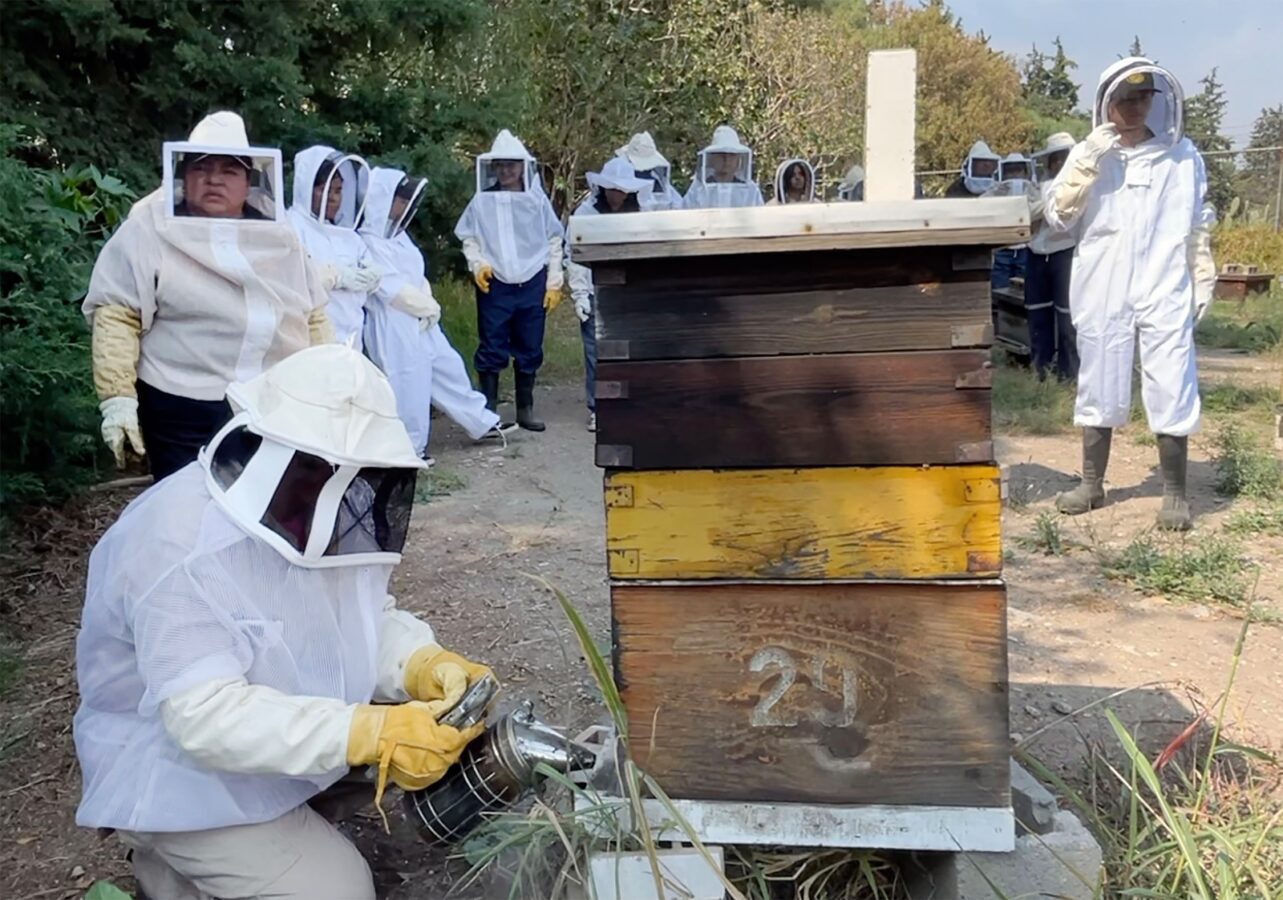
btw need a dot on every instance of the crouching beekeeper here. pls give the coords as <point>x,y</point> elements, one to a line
<point>236,629</point>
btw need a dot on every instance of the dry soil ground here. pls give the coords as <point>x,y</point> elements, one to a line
<point>535,508</point>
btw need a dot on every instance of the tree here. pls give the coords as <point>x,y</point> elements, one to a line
<point>1204,114</point>
<point>107,82</point>
<point>1258,179</point>
<point>1135,49</point>
<point>1048,88</point>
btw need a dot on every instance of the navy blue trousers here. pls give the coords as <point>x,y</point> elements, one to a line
<point>1051,330</point>
<point>510,325</point>
<point>588,331</point>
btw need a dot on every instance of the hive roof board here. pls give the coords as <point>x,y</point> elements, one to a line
<point>990,221</point>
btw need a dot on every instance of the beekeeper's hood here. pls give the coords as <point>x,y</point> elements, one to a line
<point>617,174</point>
<point>1138,74</point>
<point>335,172</point>
<point>385,215</point>
<point>726,151</point>
<point>852,184</point>
<point>980,168</point>
<point>506,148</point>
<point>315,461</point>
<point>646,160</point>
<point>1015,167</point>
<point>781,185</point>
<point>217,140</point>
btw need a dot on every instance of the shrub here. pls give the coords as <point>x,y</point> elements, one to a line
<point>52,224</point>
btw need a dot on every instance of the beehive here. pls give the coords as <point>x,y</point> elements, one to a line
<point>802,512</point>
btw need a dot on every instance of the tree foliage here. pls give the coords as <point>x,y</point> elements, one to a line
<point>1204,115</point>
<point>1258,182</point>
<point>1048,87</point>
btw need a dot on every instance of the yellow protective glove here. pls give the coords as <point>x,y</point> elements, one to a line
<point>552,299</point>
<point>440,678</point>
<point>482,278</point>
<point>406,743</point>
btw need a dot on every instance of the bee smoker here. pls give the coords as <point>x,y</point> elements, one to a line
<point>495,770</point>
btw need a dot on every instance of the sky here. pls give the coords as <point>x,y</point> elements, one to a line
<point>1243,39</point>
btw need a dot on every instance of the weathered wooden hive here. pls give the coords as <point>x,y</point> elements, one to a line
<point>802,512</point>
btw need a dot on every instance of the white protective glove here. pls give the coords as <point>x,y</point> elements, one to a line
<point>359,279</point>
<point>120,423</point>
<point>1103,138</point>
<point>418,303</point>
<point>1202,270</point>
<point>583,306</point>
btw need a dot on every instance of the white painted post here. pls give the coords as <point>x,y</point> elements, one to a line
<point>890,109</point>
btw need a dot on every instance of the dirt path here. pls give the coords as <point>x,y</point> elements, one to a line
<point>536,509</point>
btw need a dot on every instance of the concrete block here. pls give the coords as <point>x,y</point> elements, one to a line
<point>1034,806</point>
<point>1064,864</point>
<point>686,875</point>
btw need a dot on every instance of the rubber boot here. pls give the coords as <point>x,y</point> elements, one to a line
<point>1173,457</point>
<point>526,402</point>
<point>1091,492</point>
<point>490,390</point>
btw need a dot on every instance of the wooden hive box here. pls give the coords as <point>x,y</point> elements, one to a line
<point>803,511</point>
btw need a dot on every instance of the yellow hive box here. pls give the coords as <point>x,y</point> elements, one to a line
<point>887,522</point>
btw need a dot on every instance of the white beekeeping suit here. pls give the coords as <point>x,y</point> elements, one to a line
<point>783,173</point>
<point>332,240</point>
<point>514,233</point>
<point>648,162</point>
<point>724,174</point>
<point>852,184</point>
<point>1137,193</point>
<point>401,308</point>
<point>237,629</point>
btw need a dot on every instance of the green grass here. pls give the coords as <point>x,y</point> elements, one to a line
<point>437,482</point>
<point>1245,467</point>
<point>563,348</point>
<point>1255,325</point>
<point>1024,405</point>
<point>1207,568</point>
<point>1203,819</point>
<point>1257,520</point>
<point>1229,399</point>
<point>1047,538</point>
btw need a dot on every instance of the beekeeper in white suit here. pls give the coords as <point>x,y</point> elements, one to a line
<point>401,308</point>
<point>204,284</point>
<point>615,189</point>
<point>1136,190</point>
<point>236,629</point>
<point>724,174</point>
<point>649,163</point>
<point>851,188</point>
<point>404,328</point>
<point>794,182</point>
<point>513,243</point>
<point>326,210</point>
<point>979,172</point>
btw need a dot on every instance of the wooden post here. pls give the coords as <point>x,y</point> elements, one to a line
<point>891,102</point>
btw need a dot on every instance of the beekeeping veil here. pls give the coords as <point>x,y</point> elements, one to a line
<point>333,171</point>
<point>1134,74</point>
<point>781,181</point>
<point>980,168</point>
<point>1015,167</point>
<point>315,461</point>
<point>221,137</point>
<point>618,175</point>
<point>647,162</point>
<point>383,230</point>
<point>506,149</point>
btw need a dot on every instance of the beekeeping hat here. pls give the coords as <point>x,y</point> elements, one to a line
<point>617,174</point>
<point>1057,143</point>
<point>642,153</point>
<point>315,461</point>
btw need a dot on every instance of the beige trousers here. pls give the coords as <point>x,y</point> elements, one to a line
<point>299,856</point>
